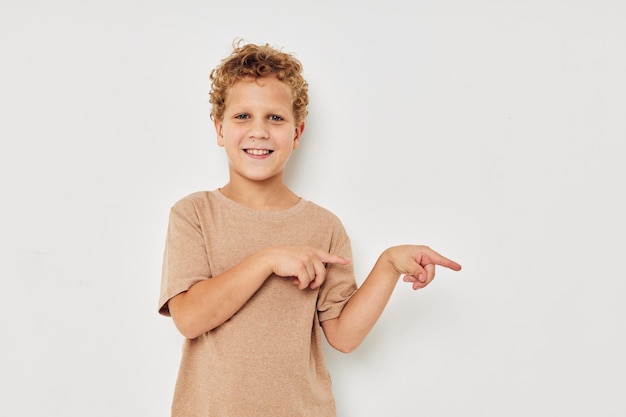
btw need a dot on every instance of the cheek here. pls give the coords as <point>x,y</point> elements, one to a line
<point>229,137</point>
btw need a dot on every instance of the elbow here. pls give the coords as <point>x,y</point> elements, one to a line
<point>189,326</point>
<point>193,327</point>
<point>345,346</point>
<point>340,339</point>
<point>347,349</point>
<point>187,329</point>
<point>188,321</point>
<point>188,333</point>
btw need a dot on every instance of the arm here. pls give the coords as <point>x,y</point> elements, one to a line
<point>210,302</point>
<point>417,263</point>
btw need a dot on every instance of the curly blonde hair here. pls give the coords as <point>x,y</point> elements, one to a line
<point>256,61</point>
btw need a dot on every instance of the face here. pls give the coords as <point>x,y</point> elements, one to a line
<point>258,130</point>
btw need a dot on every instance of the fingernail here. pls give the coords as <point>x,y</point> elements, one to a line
<point>421,278</point>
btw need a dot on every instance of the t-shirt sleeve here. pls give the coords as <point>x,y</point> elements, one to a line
<point>340,284</point>
<point>185,260</point>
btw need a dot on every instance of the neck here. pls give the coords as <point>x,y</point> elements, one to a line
<point>260,196</point>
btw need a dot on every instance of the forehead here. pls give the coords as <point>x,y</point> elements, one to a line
<point>259,90</point>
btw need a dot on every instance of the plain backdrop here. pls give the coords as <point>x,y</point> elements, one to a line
<point>492,131</point>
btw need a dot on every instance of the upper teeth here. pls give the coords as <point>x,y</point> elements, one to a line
<point>258,151</point>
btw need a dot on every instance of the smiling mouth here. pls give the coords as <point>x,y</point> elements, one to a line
<point>258,151</point>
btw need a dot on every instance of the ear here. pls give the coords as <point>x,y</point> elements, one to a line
<point>219,129</point>
<point>297,135</point>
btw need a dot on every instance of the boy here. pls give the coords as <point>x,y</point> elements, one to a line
<point>253,274</point>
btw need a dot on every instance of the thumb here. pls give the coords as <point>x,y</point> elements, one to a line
<point>420,273</point>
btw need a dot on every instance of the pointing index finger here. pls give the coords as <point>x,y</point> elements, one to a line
<point>445,262</point>
<point>334,259</point>
<point>438,259</point>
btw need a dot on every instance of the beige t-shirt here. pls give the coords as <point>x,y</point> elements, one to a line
<point>267,359</point>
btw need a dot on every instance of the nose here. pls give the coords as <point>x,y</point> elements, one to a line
<point>258,129</point>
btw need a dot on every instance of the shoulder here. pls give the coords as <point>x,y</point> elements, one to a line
<point>323,224</point>
<point>195,200</point>
<point>321,211</point>
<point>322,215</point>
<point>191,205</point>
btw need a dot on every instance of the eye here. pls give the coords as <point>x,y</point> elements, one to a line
<point>242,116</point>
<point>275,118</point>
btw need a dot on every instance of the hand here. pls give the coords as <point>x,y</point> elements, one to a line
<point>304,263</point>
<point>417,263</point>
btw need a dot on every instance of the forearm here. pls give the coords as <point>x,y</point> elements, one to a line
<point>211,302</point>
<point>362,311</point>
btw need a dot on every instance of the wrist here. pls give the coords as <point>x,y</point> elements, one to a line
<point>386,265</point>
<point>265,260</point>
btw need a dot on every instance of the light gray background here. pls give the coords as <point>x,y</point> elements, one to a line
<point>493,131</point>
